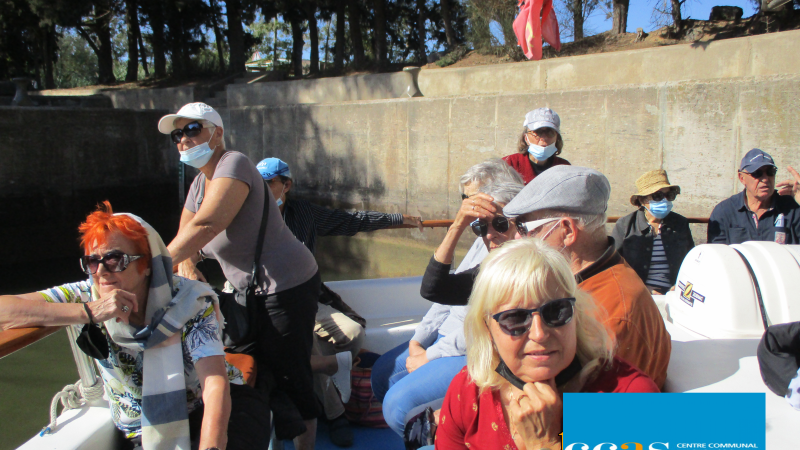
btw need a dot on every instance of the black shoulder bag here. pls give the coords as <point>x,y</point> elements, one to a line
<point>240,308</point>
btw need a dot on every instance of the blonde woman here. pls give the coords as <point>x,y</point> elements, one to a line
<point>531,336</point>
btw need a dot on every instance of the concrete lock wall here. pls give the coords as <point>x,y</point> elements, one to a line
<point>693,110</point>
<point>407,155</point>
<point>58,163</point>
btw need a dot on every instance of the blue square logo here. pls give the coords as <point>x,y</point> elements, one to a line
<point>664,421</point>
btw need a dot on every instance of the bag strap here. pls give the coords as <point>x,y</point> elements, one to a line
<point>260,241</point>
<point>262,229</point>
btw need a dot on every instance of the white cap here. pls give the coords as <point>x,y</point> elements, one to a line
<point>542,118</point>
<point>199,111</point>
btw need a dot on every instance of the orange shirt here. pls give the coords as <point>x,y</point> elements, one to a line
<point>633,316</point>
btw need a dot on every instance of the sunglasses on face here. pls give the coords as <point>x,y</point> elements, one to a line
<point>768,171</point>
<point>113,261</point>
<point>658,196</point>
<point>525,228</point>
<point>499,223</point>
<point>555,313</point>
<point>192,129</point>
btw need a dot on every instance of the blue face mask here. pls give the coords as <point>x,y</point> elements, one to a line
<point>541,153</point>
<point>659,210</point>
<point>199,155</point>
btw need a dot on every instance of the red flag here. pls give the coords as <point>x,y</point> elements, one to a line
<point>536,20</point>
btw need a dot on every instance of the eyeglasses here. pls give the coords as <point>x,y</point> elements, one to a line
<point>658,196</point>
<point>192,129</point>
<point>769,171</point>
<point>546,133</point>
<point>555,313</point>
<point>499,223</point>
<point>525,228</point>
<point>113,261</point>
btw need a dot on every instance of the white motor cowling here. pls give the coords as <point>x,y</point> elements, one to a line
<point>733,291</point>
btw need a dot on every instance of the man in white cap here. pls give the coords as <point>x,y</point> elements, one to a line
<point>566,208</point>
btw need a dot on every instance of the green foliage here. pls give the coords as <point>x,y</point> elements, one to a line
<point>453,57</point>
<point>265,33</point>
<point>77,65</point>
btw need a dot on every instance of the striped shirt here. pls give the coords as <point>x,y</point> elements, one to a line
<point>658,276</point>
<point>307,221</point>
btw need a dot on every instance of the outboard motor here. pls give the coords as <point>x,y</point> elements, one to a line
<point>736,291</point>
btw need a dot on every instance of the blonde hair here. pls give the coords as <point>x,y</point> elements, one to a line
<point>521,272</point>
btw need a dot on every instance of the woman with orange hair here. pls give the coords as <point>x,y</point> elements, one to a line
<point>132,296</point>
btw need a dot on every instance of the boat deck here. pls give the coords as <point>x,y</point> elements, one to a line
<point>364,439</point>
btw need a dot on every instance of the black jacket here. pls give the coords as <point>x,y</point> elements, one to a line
<point>634,240</point>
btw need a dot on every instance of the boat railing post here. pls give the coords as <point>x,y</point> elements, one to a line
<point>86,369</point>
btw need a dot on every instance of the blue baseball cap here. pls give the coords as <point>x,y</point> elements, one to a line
<point>756,159</point>
<point>272,167</point>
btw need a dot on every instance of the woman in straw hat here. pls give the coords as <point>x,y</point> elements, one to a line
<point>654,240</point>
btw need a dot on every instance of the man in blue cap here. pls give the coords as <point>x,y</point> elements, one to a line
<point>759,212</point>
<point>337,329</point>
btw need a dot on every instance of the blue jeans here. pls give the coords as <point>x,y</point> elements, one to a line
<point>404,395</point>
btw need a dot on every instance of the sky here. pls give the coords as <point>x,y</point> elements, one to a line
<point>639,13</point>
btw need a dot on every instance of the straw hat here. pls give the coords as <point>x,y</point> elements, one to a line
<point>651,182</point>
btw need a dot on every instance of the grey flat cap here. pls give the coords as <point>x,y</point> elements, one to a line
<point>572,189</point>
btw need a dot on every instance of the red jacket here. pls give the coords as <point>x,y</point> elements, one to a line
<point>522,164</point>
<point>473,420</point>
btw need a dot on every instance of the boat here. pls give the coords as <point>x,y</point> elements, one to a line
<point>726,296</point>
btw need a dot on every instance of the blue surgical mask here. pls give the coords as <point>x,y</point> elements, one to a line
<point>659,210</point>
<point>199,155</point>
<point>541,153</point>
<point>279,200</point>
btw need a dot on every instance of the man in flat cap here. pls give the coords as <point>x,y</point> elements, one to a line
<point>565,206</point>
<point>758,213</point>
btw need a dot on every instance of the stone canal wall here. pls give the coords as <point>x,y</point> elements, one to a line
<point>692,110</point>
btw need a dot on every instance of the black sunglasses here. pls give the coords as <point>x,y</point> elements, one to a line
<point>192,129</point>
<point>555,313</point>
<point>480,227</point>
<point>113,261</point>
<point>658,196</point>
<point>770,171</point>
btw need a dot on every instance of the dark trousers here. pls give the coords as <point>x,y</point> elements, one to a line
<point>248,426</point>
<point>283,349</point>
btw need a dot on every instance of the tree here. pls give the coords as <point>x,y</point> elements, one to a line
<point>235,36</point>
<point>155,12</point>
<point>421,34</point>
<point>218,38</point>
<point>338,52</point>
<point>620,22</point>
<point>132,22</point>
<point>448,24</point>
<point>380,32</point>
<point>313,34</point>
<point>357,40</point>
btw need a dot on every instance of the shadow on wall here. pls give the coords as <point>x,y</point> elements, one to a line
<point>59,163</point>
<point>324,165</point>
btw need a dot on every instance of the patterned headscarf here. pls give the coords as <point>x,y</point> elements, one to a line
<point>165,419</point>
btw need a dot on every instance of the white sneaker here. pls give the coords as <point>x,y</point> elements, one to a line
<point>341,379</point>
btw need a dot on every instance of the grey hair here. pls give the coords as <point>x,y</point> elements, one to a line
<point>502,192</point>
<point>493,170</point>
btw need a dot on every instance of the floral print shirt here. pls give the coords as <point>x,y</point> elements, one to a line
<point>122,371</point>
